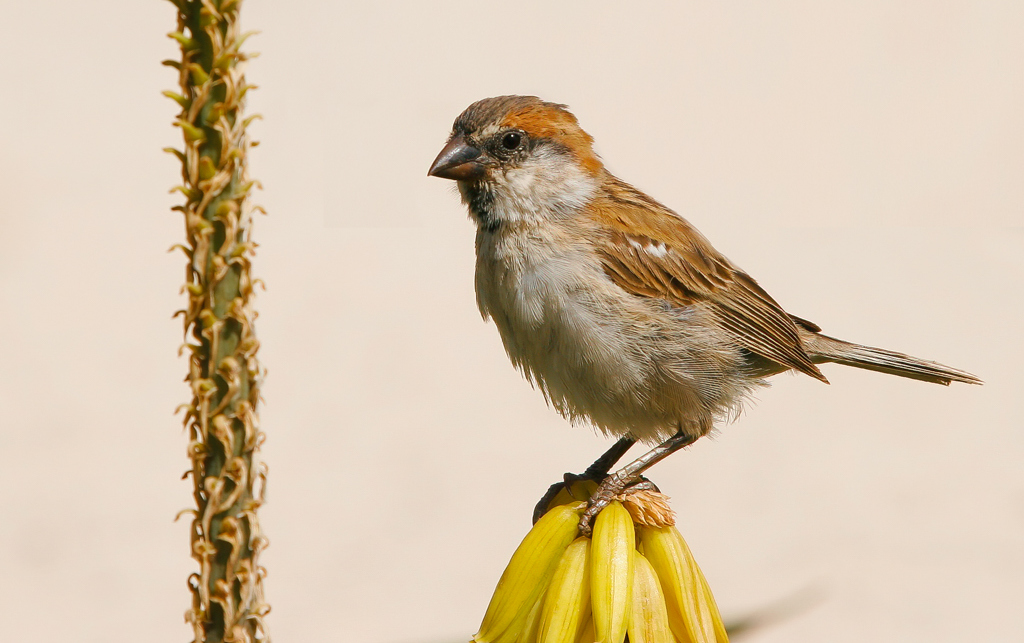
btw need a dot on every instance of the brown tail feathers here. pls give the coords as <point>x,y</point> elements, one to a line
<point>823,348</point>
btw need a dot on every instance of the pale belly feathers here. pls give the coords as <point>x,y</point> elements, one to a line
<point>629,365</point>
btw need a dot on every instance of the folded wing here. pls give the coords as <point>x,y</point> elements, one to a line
<point>650,251</point>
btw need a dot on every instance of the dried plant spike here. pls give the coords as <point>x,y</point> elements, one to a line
<point>224,372</point>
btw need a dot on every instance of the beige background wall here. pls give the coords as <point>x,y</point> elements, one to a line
<point>863,160</point>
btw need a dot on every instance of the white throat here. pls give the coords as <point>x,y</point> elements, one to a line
<point>546,186</point>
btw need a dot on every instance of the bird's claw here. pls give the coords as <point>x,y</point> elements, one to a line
<point>611,488</point>
<point>568,479</point>
<point>613,485</point>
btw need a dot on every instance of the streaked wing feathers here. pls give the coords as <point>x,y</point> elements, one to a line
<point>650,251</point>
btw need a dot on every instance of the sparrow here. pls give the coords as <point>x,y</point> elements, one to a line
<point>614,306</point>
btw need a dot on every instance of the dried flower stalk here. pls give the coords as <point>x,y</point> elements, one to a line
<point>224,374</point>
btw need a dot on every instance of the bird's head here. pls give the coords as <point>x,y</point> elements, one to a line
<point>519,158</point>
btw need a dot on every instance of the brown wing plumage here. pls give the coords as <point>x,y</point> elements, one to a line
<point>650,251</point>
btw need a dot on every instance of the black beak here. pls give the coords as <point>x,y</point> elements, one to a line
<point>457,161</point>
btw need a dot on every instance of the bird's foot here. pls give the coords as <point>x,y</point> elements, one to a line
<point>580,486</point>
<point>569,485</point>
<point>613,487</point>
<point>597,492</point>
<point>601,487</point>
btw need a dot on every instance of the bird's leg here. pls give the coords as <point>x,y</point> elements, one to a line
<point>596,472</point>
<point>629,475</point>
<point>599,470</point>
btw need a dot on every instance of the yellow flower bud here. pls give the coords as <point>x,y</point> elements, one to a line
<point>567,602</point>
<point>614,546</point>
<point>527,575</point>
<point>648,615</point>
<point>692,613</point>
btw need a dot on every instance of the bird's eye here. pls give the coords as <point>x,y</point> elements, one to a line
<point>511,140</point>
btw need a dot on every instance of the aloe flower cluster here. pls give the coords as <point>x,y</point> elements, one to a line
<point>631,578</point>
<point>224,373</point>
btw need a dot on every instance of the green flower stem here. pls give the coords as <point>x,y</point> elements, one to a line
<point>224,373</point>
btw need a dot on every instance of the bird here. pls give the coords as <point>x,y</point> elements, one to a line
<point>614,306</point>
